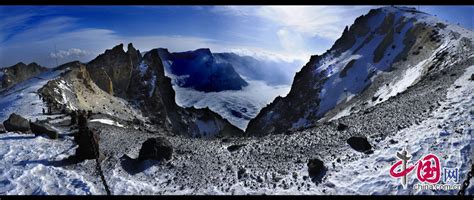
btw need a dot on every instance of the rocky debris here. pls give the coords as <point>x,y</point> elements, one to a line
<point>16,123</point>
<point>316,169</point>
<point>43,128</point>
<point>360,143</point>
<point>472,77</point>
<point>19,72</point>
<point>235,147</point>
<point>342,127</point>
<point>156,149</point>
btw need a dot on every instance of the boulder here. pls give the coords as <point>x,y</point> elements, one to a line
<point>41,128</point>
<point>157,149</point>
<point>241,172</point>
<point>16,123</point>
<point>316,169</point>
<point>360,143</point>
<point>342,127</point>
<point>235,147</point>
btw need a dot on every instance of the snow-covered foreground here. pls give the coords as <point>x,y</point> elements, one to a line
<point>230,104</point>
<point>26,167</point>
<point>29,165</point>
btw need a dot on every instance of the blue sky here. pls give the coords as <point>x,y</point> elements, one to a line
<point>30,33</point>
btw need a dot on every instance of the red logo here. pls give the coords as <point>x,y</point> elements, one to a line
<point>428,168</point>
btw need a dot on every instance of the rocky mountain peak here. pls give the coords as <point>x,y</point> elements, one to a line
<point>369,60</point>
<point>115,66</point>
<point>18,73</point>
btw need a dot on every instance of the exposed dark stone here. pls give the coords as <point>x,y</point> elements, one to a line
<point>88,142</point>
<point>73,116</point>
<point>241,172</point>
<point>16,123</point>
<point>472,77</point>
<point>316,169</point>
<point>235,147</point>
<point>19,72</point>
<point>342,127</point>
<point>157,149</point>
<point>360,144</point>
<point>82,119</point>
<point>392,141</point>
<point>40,128</point>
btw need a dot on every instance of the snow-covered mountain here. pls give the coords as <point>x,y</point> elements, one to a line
<point>199,70</point>
<point>382,54</point>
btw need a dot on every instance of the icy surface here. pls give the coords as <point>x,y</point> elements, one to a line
<point>26,167</point>
<point>108,122</point>
<point>236,106</point>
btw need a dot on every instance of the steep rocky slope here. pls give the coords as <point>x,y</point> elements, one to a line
<point>382,54</point>
<point>75,90</point>
<point>148,95</point>
<point>112,70</point>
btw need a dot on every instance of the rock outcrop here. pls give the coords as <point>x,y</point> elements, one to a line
<point>43,128</point>
<point>16,123</point>
<point>360,144</point>
<point>18,73</point>
<point>316,169</point>
<point>156,149</point>
<point>112,70</point>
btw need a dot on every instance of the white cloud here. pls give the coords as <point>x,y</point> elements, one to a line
<point>323,21</point>
<point>70,53</point>
<point>297,25</point>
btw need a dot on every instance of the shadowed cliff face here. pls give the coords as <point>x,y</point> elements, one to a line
<point>184,121</point>
<point>9,76</point>
<point>112,70</point>
<point>379,56</point>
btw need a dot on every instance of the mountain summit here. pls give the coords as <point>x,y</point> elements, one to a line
<point>382,54</point>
